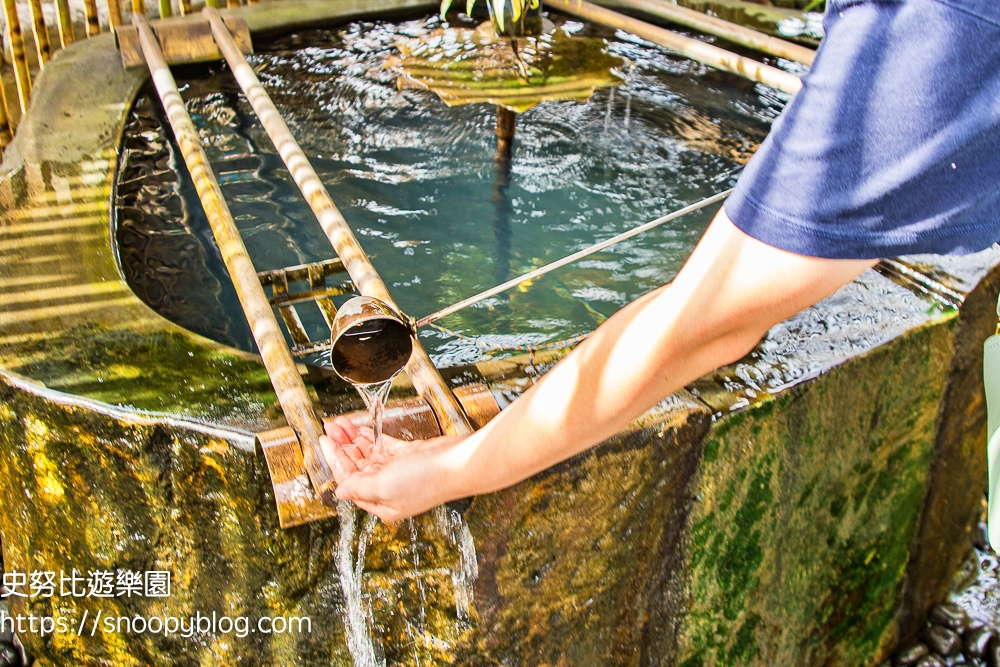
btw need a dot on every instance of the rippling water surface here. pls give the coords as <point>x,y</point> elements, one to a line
<point>440,219</point>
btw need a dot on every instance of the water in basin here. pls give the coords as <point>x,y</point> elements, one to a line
<point>439,218</point>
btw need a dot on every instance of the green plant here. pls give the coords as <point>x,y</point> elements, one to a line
<point>815,5</point>
<point>497,6</point>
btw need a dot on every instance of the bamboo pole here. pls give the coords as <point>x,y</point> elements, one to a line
<point>138,7</point>
<point>65,23</point>
<point>712,25</point>
<point>185,7</point>
<point>21,75</point>
<point>6,129</point>
<point>710,55</point>
<point>41,33</point>
<point>166,11</point>
<point>90,11</point>
<point>569,259</point>
<point>425,377</point>
<point>288,385</point>
<point>114,14</point>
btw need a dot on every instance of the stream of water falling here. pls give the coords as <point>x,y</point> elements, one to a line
<point>358,621</point>
<point>357,624</point>
<point>357,615</point>
<point>375,396</point>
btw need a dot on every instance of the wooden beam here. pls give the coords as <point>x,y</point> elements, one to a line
<point>6,129</point>
<point>114,14</point>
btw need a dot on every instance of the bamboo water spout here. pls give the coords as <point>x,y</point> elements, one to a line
<point>427,381</point>
<point>288,385</point>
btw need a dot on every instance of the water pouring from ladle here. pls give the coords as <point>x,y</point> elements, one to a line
<point>370,344</point>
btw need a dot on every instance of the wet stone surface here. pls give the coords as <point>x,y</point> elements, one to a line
<point>910,655</point>
<point>963,631</point>
<point>10,652</point>
<point>974,642</point>
<point>941,640</point>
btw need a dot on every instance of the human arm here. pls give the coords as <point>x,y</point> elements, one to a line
<point>732,289</point>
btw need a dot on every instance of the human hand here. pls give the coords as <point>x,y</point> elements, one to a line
<point>397,480</point>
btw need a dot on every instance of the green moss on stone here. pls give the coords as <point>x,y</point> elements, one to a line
<point>800,538</point>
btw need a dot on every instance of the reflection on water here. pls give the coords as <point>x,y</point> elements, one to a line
<point>439,217</point>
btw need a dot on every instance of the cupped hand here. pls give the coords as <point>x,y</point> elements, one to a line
<point>397,480</point>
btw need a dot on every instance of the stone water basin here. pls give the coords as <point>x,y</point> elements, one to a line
<point>804,506</point>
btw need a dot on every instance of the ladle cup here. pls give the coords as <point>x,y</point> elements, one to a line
<point>370,341</point>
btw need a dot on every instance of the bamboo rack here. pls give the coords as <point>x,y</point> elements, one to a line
<point>425,377</point>
<point>288,385</point>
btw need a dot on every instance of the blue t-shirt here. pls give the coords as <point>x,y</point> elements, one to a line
<point>893,144</point>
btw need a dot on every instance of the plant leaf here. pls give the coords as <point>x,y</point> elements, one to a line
<point>469,5</point>
<point>498,13</point>
<point>516,5</point>
<point>445,6</point>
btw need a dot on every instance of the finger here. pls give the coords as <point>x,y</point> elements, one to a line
<point>348,427</point>
<point>335,430</point>
<point>383,512</point>
<point>356,455</point>
<point>364,439</point>
<point>338,460</point>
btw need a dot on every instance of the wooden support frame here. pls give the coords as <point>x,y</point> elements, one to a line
<point>318,292</point>
<point>182,40</point>
<point>114,14</point>
<point>6,128</point>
